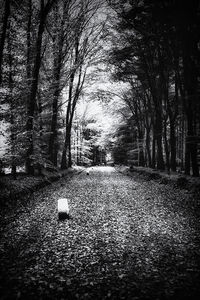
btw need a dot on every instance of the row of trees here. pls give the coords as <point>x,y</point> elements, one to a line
<point>48,53</point>
<point>46,49</point>
<point>155,49</point>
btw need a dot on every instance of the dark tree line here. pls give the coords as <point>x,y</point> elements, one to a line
<point>45,49</point>
<point>156,51</point>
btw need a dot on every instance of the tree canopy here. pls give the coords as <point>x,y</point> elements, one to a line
<point>136,63</point>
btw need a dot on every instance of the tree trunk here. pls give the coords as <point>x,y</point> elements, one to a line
<point>65,152</point>
<point>172,120</point>
<point>166,147</point>
<point>158,135</point>
<point>191,144</point>
<point>69,114</point>
<point>173,146</point>
<point>141,152</point>
<point>148,149</point>
<point>53,143</point>
<point>32,98</point>
<point>11,104</point>
<point>154,149</point>
<point>3,34</point>
<point>28,39</point>
<point>34,85</point>
<point>195,168</point>
<point>64,159</point>
<point>58,49</point>
<point>69,151</point>
<point>191,149</point>
<point>190,44</point>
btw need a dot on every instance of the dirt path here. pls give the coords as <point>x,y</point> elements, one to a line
<point>126,239</point>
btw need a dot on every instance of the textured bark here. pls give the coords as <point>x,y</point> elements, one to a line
<point>172,147</point>
<point>158,135</point>
<point>166,148</point>
<point>69,115</point>
<point>64,161</point>
<point>3,34</point>
<point>53,143</point>
<point>154,149</point>
<point>141,151</point>
<point>34,84</point>
<point>12,107</point>
<point>191,148</point>
<point>58,40</point>
<point>148,150</point>
<point>32,98</point>
<point>28,38</point>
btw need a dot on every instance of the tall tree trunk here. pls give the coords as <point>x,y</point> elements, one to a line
<point>53,143</point>
<point>75,99</point>
<point>141,151</point>
<point>64,163</point>
<point>64,156</point>
<point>166,147</point>
<point>191,106</point>
<point>32,98</point>
<point>34,84</point>
<point>28,39</point>
<point>148,149</point>
<point>69,151</point>
<point>154,149</point>
<point>12,107</point>
<point>172,120</point>
<point>191,148</point>
<point>172,146</point>
<point>2,44</point>
<point>58,52</point>
<point>69,116</point>
<point>190,44</point>
<point>64,159</point>
<point>3,34</point>
<point>158,135</point>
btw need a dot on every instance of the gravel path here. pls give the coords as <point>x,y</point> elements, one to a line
<point>126,239</point>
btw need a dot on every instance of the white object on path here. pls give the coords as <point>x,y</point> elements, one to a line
<point>63,208</point>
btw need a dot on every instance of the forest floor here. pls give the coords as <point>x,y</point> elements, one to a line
<point>14,192</point>
<point>126,238</point>
<point>177,180</point>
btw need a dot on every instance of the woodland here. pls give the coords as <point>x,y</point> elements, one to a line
<point>55,53</point>
<point>100,110</point>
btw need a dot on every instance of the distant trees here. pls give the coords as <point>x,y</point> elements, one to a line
<point>156,52</point>
<point>90,134</point>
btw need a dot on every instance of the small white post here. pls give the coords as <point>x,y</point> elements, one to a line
<point>63,208</point>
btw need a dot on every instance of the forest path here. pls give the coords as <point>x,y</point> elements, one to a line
<point>126,239</point>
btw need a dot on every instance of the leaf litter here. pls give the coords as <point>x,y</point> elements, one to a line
<point>126,239</point>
